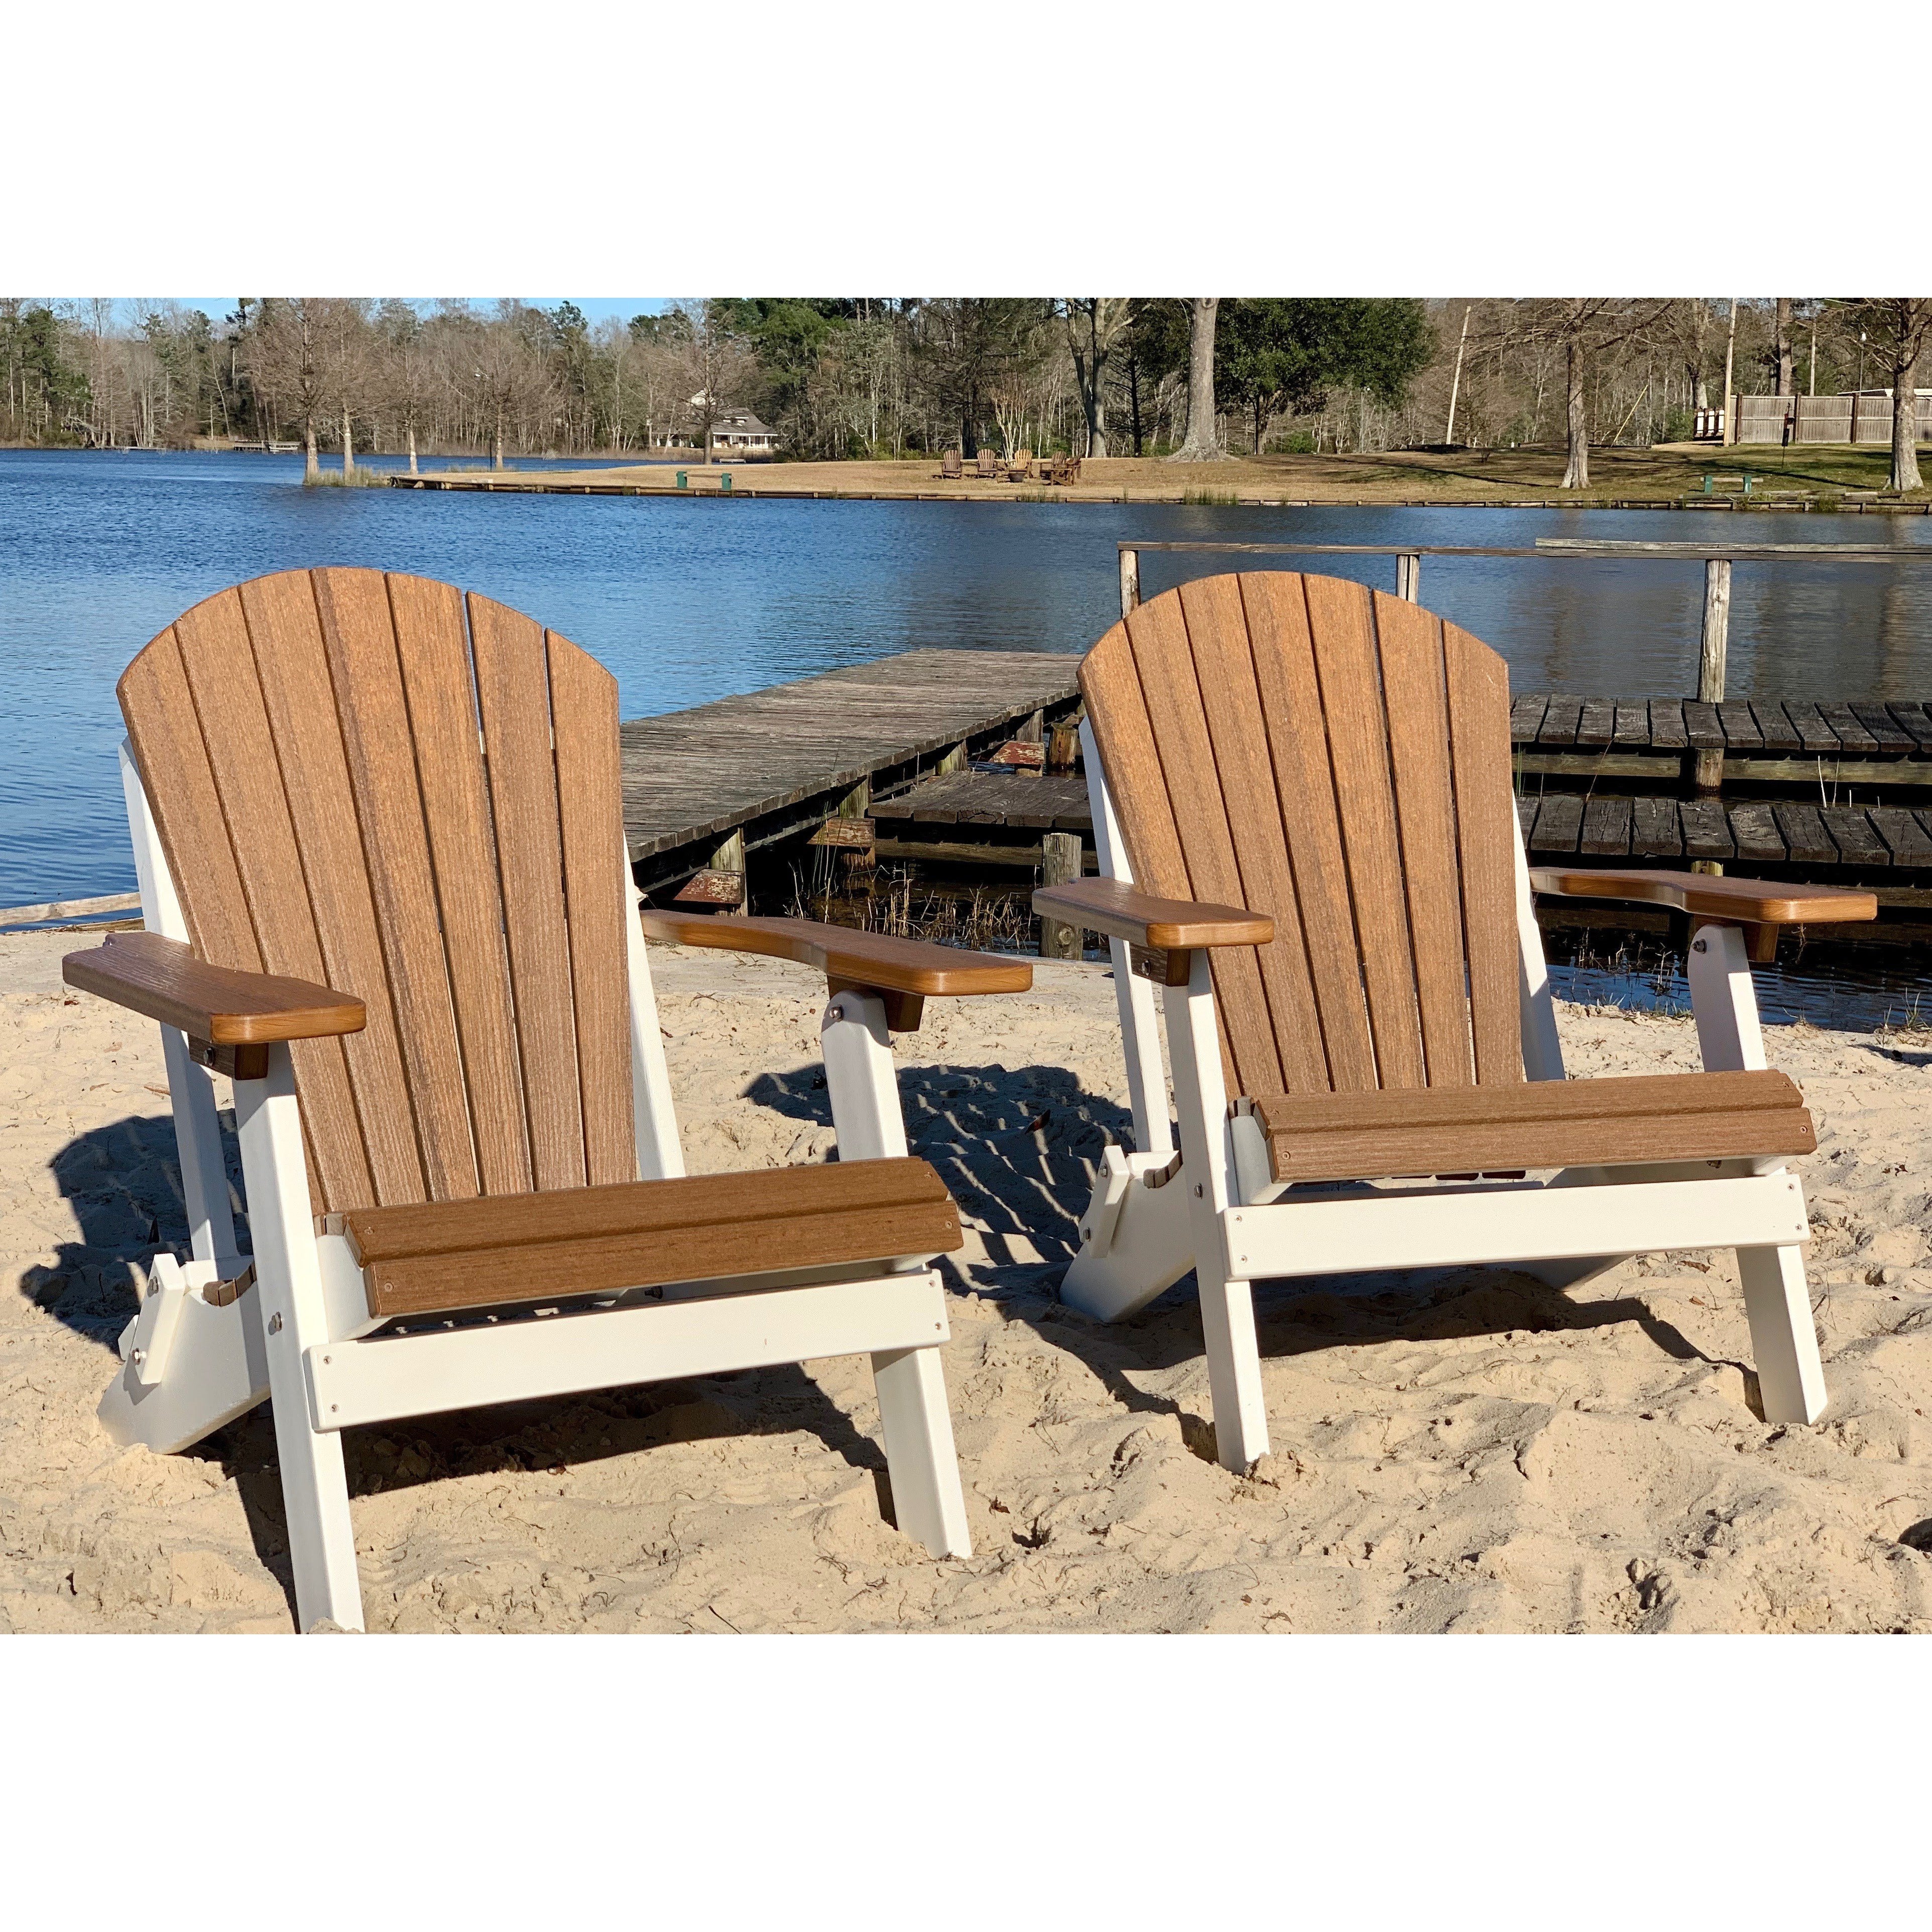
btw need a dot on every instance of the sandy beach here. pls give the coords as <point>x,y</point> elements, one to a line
<point>1464,1450</point>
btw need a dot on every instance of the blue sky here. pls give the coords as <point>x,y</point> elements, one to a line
<point>595,307</point>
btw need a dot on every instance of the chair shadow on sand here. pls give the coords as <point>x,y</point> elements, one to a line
<point>1017,1146</point>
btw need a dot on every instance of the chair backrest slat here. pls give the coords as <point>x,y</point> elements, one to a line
<point>1340,760</point>
<point>1217,630</point>
<point>1486,833</point>
<point>357,781</point>
<point>1291,705</point>
<point>298,695</point>
<point>455,848</point>
<point>513,690</point>
<point>379,726</point>
<point>584,718</point>
<point>219,660</point>
<point>1417,704</point>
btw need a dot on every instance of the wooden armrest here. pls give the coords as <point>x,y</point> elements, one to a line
<point>163,980</point>
<point>910,968</point>
<point>1740,902</point>
<point>1162,926</point>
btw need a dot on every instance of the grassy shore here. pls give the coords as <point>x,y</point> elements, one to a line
<point>1821,477</point>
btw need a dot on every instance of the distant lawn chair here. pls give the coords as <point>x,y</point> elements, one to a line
<point>1020,470</point>
<point>989,465</point>
<point>1061,470</point>
<point>1330,770</point>
<point>339,778</point>
<point>952,466</point>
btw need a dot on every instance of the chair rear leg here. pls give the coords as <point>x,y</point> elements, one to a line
<point>926,1495</point>
<point>1784,1338</point>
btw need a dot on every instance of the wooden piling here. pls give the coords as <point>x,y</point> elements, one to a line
<point>1708,769</point>
<point>1409,576</point>
<point>1130,581</point>
<point>1060,866</point>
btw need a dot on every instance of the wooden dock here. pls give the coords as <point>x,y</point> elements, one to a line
<point>1831,792</point>
<point>704,788</point>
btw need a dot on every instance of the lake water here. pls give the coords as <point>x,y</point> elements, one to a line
<point>688,601</point>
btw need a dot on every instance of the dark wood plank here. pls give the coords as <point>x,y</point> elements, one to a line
<point>1164,660</point>
<point>1539,1124</point>
<point>1814,734</point>
<point>293,664</point>
<point>1804,833</point>
<point>1852,735</point>
<point>1217,633</point>
<point>1633,726</point>
<point>218,655</point>
<point>1291,693</point>
<point>1757,901</point>
<point>1526,712</point>
<point>1707,832</point>
<point>1655,833</point>
<point>1409,639</point>
<point>1740,728</point>
<point>405,736</point>
<point>513,699</point>
<point>1702,726</point>
<point>1777,730</point>
<point>590,1240</point>
<point>1477,683</point>
<point>1596,724</point>
<point>597,901</point>
<point>1526,808</point>
<point>1905,837</point>
<point>1606,827</point>
<point>1891,741</point>
<point>1857,841</point>
<point>1755,833</point>
<point>1667,723</point>
<point>1559,823</point>
<point>1341,627</point>
<point>1911,720</point>
<point>1560,722</point>
<point>162,979</point>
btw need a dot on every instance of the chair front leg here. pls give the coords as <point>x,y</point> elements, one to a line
<point>1207,1171</point>
<point>859,1078</point>
<point>1778,1300</point>
<point>315,1485</point>
<point>927,1499</point>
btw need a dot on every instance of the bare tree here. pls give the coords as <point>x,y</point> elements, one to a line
<point>1900,328</point>
<point>1202,444</point>
<point>1584,327</point>
<point>1781,348</point>
<point>1094,324</point>
<point>286,352</point>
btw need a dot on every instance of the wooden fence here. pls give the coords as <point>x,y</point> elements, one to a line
<point>1855,418</point>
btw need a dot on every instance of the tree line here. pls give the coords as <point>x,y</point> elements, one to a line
<point>851,377</point>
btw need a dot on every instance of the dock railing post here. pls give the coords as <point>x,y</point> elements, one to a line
<point>1408,577</point>
<point>1130,581</point>
<point>1708,775</point>
<point>1061,861</point>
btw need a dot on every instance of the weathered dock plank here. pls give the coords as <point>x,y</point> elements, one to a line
<point>700,774</point>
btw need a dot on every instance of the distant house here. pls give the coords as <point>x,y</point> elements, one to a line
<point>739,432</point>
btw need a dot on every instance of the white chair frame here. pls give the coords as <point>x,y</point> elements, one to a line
<point>300,1337</point>
<point>1215,1208</point>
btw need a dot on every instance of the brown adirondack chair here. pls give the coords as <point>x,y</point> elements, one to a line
<point>379,839</point>
<point>1020,470</point>
<point>952,466</point>
<point>989,465</point>
<point>1302,800</point>
<point>1062,470</point>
